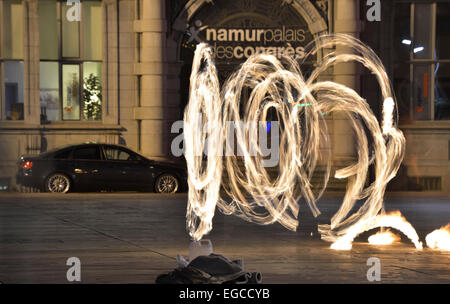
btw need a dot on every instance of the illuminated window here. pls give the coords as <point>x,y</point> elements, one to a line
<point>71,54</point>
<point>71,91</point>
<point>13,89</point>
<point>49,90</point>
<point>422,61</point>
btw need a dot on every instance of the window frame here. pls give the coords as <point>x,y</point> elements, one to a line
<point>429,62</point>
<point>73,61</point>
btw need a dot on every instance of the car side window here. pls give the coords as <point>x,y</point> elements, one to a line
<point>62,154</point>
<point>113,153</point>
<point>87,153</point>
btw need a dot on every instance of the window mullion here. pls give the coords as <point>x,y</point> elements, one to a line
<point>1,31</point>
<point>81,58</point>
<point>2,80</point>
<point>61,91</point>
<point>433,53</point>
<point>80,35</point>
<point>27,62</point>
<point>60,69</point>
<point>2,93</point>
<point>80,93</point>
<point>411,66</point>
<point>59,29</point>
<point>432,68</point>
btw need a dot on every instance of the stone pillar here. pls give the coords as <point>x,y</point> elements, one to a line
<point>157,107</point>
<point>346,21</point>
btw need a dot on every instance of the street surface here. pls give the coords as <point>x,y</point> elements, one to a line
<point>134,237</point>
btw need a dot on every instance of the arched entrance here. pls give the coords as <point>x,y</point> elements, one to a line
<point>238,28</point>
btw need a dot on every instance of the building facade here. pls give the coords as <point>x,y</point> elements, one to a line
<point>117,71</point>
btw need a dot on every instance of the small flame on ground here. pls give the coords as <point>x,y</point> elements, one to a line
<point>383,238</point>
<point>392,219</point>
<point>341,245</point>
<point>439,238</point>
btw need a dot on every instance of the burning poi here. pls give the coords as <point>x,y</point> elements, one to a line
<point>279,85</point>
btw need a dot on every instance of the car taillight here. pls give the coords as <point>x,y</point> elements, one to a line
<point>26,164</point>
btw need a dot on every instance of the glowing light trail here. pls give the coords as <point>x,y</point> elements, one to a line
<point>276,86</point>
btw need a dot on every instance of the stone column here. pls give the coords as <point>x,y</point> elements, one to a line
<point>158,100</point>
<point>346,21</point>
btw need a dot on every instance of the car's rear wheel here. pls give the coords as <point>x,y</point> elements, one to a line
<point>58,183</point>
<point>166,183</point>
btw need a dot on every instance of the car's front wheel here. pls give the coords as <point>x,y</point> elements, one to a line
<point>58,183</point>
<point>166,183</point>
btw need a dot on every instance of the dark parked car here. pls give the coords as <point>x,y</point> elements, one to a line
<point>95,166</point>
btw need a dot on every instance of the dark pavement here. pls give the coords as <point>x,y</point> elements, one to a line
<point>133,237</point>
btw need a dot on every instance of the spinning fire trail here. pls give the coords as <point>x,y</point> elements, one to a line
<point>279,86</point>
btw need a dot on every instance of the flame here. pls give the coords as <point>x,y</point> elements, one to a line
<point>393,219</point>
<point>383,238</point>
<point>439,238</point>
<point>341,245</point>
<point>397,221</point>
